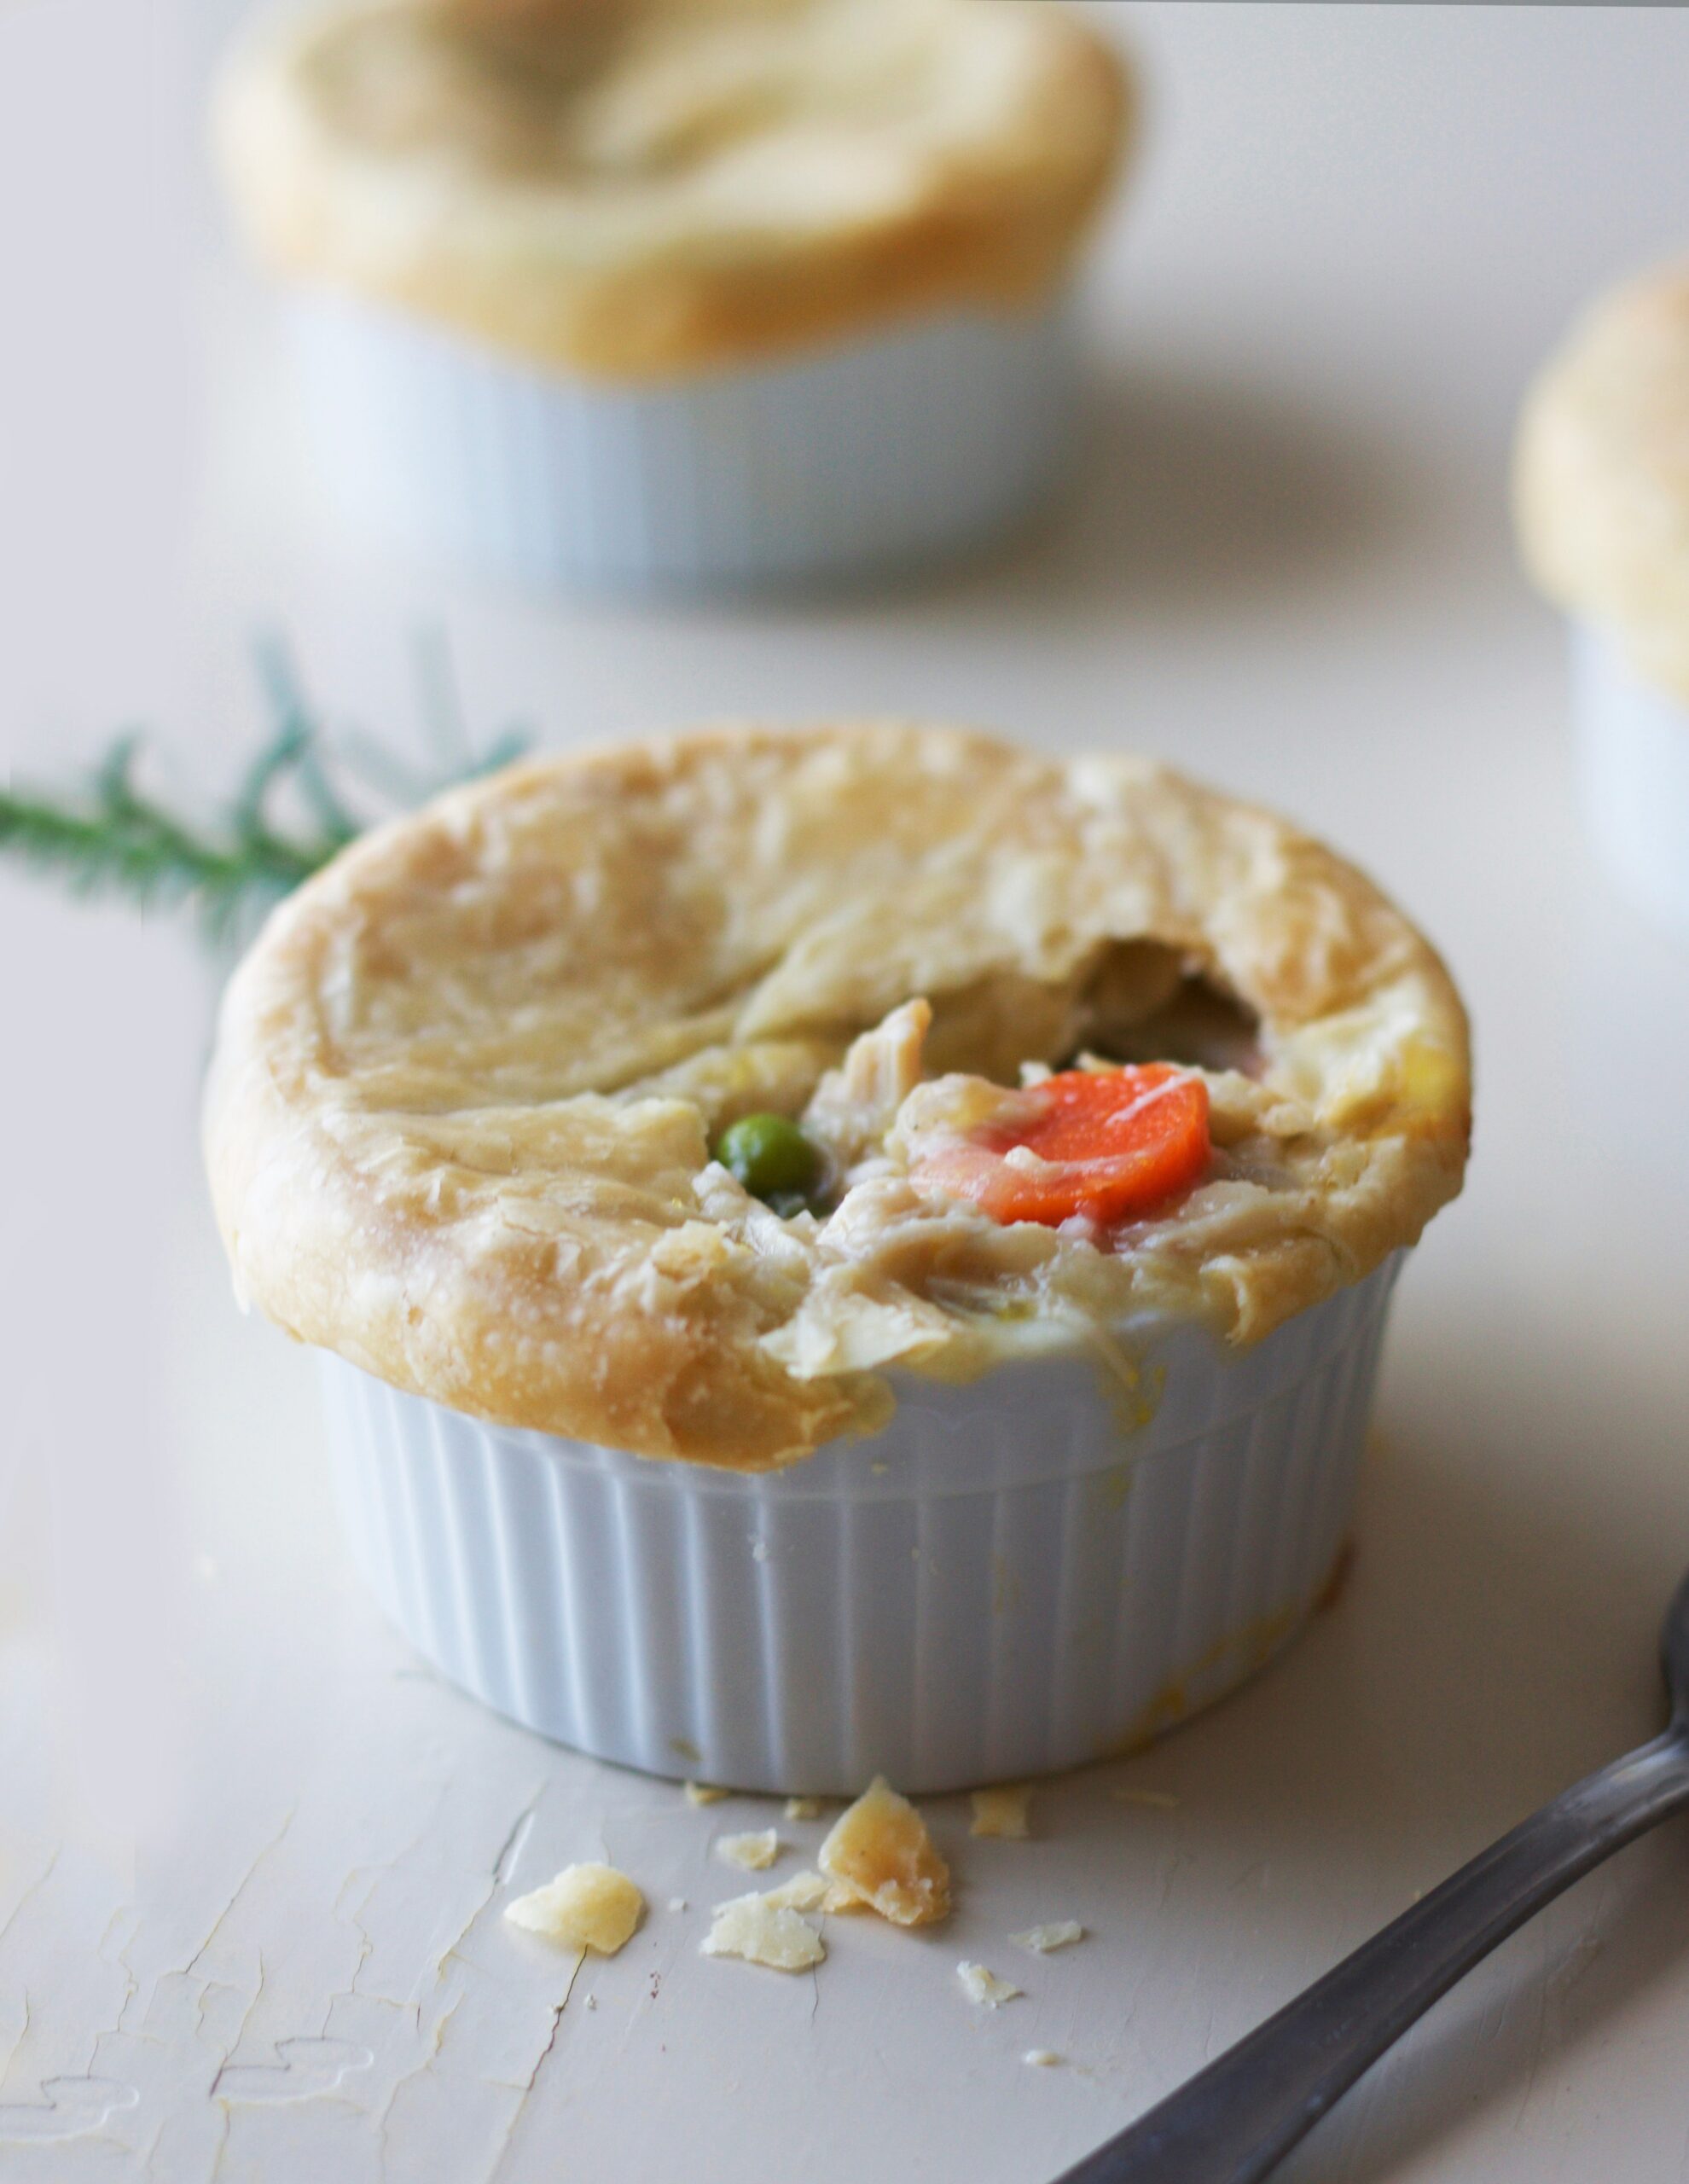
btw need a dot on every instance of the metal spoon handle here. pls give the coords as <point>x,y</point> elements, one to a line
<point>1236,2119</point>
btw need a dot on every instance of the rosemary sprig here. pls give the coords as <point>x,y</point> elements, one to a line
<point>113,839</point>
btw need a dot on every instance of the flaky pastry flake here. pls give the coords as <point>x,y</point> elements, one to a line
<point>1059,1933</point>
<point>753,1852</point>
<point>588,1905</point>
<point>1006,1810</point>
<point>762,1931</point>
<point>804,1892</point>
<point>880,1850</point>
<point>982,1986</point>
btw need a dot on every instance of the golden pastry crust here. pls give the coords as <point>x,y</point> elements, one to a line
<point>1602,474</point>
<point>643,189</point>
<point>459,1119</point>
<point>878,1851</point>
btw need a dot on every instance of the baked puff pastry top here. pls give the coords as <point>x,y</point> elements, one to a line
<point>467,1082</point>
<point>636,189</point>
<point>1602,474</point>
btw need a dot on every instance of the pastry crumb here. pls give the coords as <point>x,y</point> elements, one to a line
<point>704,1793</point>
<point>805,1808</point>
<point>586,1906</point>
<point>1005,1812</point>
<point>880,1850</point>
<point>761,1932</point>
<point>592,2002</point>
<point>980,1985</point>
<point>804,1892</point>
<point>754,1851</point>
<point>678,1903</point>
<point>1061,1934</point>
<point>1164,1799</point>
<point>1042,2058</point>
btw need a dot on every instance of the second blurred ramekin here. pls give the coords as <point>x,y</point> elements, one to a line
<point>882,453</point>
<point>659,296</point>
<point>1601,498</point>
<point>1633,756</point>
<point>1040,1568</point>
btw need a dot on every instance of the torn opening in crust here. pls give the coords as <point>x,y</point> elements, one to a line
<point>1144,1001</point>
<point>1129,1000</point>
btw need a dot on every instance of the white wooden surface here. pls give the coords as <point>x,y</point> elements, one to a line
<point>252,1855</point>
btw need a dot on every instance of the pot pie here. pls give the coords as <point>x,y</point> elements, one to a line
<point>1602,474</point>
<point>636,189</point>
<point>471,1081</point>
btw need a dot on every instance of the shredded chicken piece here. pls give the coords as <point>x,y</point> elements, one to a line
<point>855,1105</point>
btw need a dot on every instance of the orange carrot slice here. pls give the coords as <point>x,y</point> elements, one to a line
<point>1109,1145</point>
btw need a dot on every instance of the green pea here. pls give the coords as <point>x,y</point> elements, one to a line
<point>772,1158</point>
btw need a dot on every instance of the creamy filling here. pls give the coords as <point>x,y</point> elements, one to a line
<point>892,1269</point>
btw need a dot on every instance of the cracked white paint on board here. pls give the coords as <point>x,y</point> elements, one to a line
<point>66,2109</point>
<point>303,2070</point>
<point>340,1986</point>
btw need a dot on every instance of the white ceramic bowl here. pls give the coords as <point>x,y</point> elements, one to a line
<point>897,450</point>
<point>1633,757</point>
<point>1016,1576</point>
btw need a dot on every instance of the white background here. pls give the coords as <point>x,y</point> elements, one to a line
<point>235,1814</point>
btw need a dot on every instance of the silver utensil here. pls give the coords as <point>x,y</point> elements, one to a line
<point>1237,2118</point>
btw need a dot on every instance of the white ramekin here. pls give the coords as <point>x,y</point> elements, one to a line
<point>1633,757</point>
<point>897,451</point>
<point>1019,1574</point>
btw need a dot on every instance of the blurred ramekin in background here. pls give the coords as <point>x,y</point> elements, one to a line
<point>675,299</point>
<point>1634,762</point>
<point>1602,494</point>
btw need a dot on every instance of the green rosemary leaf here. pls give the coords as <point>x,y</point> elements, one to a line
<point>113,839</point>
<point>112,782</point>
<point>503,750</point>
<point>392,779</point>
<point>296,733</point>
<point>442,721</point>
<point>95,855</point>
<point>272,763</point>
